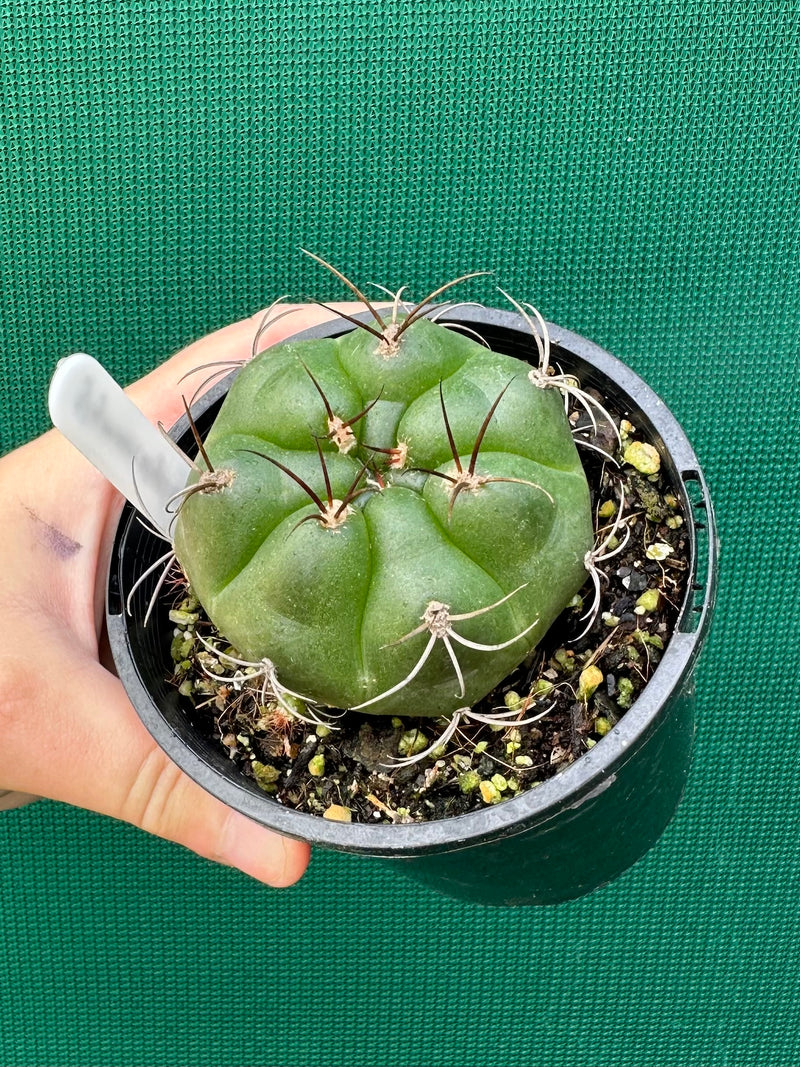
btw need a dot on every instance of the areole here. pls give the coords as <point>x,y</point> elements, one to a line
<point>571,833</point>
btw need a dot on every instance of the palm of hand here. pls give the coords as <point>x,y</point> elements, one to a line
<point>68,729</point>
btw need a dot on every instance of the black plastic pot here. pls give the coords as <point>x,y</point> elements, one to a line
<point>571,834</point>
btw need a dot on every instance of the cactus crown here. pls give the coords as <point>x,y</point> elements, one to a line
<point>390,519</point>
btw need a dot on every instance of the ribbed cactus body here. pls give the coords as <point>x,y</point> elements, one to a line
<point>329,605</point>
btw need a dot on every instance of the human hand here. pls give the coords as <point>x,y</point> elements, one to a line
<point>68,729</point>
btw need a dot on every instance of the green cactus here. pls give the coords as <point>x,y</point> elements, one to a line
<point>393,518</point>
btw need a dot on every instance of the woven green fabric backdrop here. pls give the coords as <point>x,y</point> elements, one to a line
<point>632,167</point>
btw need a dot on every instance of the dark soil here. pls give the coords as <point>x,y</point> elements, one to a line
<point>581,685</point>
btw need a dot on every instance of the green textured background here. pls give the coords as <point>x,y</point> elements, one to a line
<point>632,167</point>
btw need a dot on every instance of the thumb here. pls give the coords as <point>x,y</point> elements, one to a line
<point>158,394</point>
<point>107,762</point>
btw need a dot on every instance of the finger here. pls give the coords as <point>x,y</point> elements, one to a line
<point>96,754</point>
<point>162,800</point>
<point>158,394</point>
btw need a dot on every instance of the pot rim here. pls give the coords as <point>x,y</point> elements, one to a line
<point>582,780</point>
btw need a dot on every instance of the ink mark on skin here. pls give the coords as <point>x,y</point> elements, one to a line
<point>54,540</point>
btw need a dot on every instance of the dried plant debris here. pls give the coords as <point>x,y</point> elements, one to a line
<point>572,690</point>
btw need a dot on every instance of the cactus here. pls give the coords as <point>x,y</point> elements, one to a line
<point>389,520</point>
